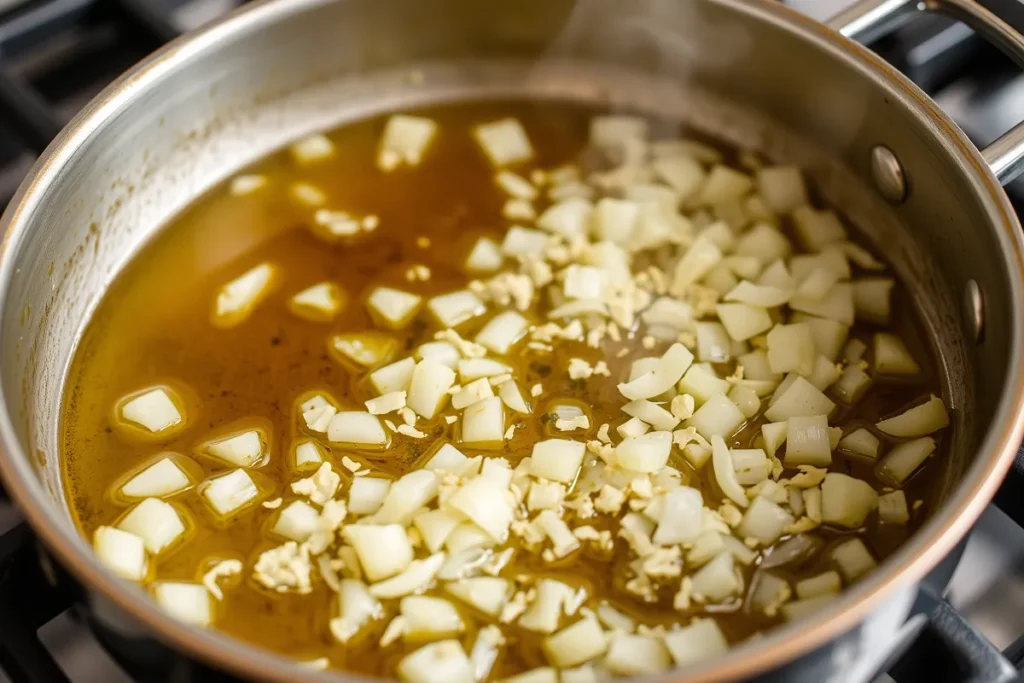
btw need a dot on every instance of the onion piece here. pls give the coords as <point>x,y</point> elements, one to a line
<point>312,148</point>
<point>774,435</point>
<point>766,243</point>
<point>483,423</point>
<point>504,141</point>
<point>852,384</point>
<point>794,550</point>
<point>383,550</point>
<point>475,368</point>
<point>743,321</point>
<point>860,442</point>
<point>636,655</point>
<point>512,397</point>
<point>569,218</point>
<point>926,418</point>
<point>846,501</point>
<point>486,503</point>
<point>416,577</point>
<point>746,399</point>
<point>764,521</point>
<point>428,387</point>
<point>763,296</point>
<point>404,141</point>
<point>467,536</point>
<point>486,649</point>
<point>816,228</point>
<point>702,383</point>
<point>229,493</point>
<point>546,609</point>
<point>542,674</point>
<point>892,508</point>
<point>724,184</point>
<point>872,299</point>
<point>829,335</point>
<point>807,441</point>
<point>702,639</point>
<point>853,559</point>
<point>367,494</point>
<point>365,350</point>
<point>356,609</point>
<point>557,459</point>
<point>237,299</point>
<point>652,414</point>
<point>682,518</point>
<point>307,455</point>
<point>488,594</point>
<point>701,257</point>
<point>122,552</point>
<point>714,345</point>
<point>782,188</point>
<point>502,331</point>
<point>429,618</point>
<point>441,351</point>
<point>892,356</point>
<point>442,662</point>
<point>751,465</point>
<point>247,184</point>
<point>187,602</point>
<point>826,583</point>
<point>725,475</point>
<point>576,644</point>
<point>485,256</point>
<point>682,173</point>
<point>836,305</point>
<point>645,454</point>
<point>903,459</point>
<point>717,579</point>
<point>153,409</point>
<point>319,302</point>
<point>160,479</point>
<point>447,458</point>
<point>296,522</point>
<point>717,417</point>
<point>800,398</point>
<point>245,449</point>
<point>791,349</point>
<point>455,308</point>
<point>406,495</point>
<point>359,428</point>
<point>392,307</point>
<point>662,377</point>
<point>394,377</point>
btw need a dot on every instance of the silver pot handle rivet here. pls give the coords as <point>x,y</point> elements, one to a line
<point>974,311</point>
<point>887,175</point>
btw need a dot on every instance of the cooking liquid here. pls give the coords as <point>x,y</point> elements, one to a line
<point>153,326</point>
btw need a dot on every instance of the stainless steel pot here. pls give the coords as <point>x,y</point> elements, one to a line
<point>751,72</point>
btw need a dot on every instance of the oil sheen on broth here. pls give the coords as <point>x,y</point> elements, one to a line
<point>154,328</point>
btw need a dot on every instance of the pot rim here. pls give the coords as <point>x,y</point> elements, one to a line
<point>783,644</point>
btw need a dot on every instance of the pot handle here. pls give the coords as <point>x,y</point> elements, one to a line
<point>870,19</point>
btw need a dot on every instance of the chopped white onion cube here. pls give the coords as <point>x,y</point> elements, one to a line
<point>892,508</point>
<point>485,256</point>
<point>321,301</point>
<point>668,370</point>
<point>860,442</point>
<point>807,441</point>
<point>486,503</point>
<point>456,307</point>
<point>826,583</point>
<point>557,459</point>
<point>791,349</point>
<point>782,188</point>
<point>502,331</point>
<point>230,492</point>
<point>725,473</point>
<point>366,494</point>
<point>892,356</point>
<point>122,552</point>
<point>764,521</point>
<point>485,593</point>
<point>442,662</point>
<point>576,644</point>
<point>394,377</point>
<point>903,459</point>
<point>404,141</point>
<point>504,142</point>
<point>484,422</point>
<point>356,609</point>
<point>846,501</point>
<point>357,428</point>
<point>313,148</point>
<point>366,350</point>
<point>743,321</point>
<point>416,578</point>
<point>393,307</point>
<point>383,550</point>
<point>236,299</point>
<point>800,399</point>
<point>246,449</point>
<point>702,639</point>
<point>853,559</point>
<point>924,419</point>
<point>153,409</point>
<point>427,617</point>
<point>156,522</point>
<point>682,518</point>
<point>162,478</point>
<point>645,454</point>
<point>717,417</point>
<point>636,655</point>
<point>297,521</point>
<point>187,602</point>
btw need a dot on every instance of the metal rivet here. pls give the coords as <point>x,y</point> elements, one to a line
<point>974,311</point>
<point>887,174</point>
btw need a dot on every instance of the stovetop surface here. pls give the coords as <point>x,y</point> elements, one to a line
<point>55,55</point>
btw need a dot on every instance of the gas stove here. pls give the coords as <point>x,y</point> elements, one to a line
<point>55,55</point>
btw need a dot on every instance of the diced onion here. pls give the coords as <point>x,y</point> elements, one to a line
<point>297,521</point>
<point>829,335</point>
<point>636,655</point>
<point>447,458</point>
<point>486,649</point>
<point>404,141</point>
<point>892,508</point>
<point>365,350</point>
<point>162,478</point>
<point>246,184</point>
<point>230,492</point>
<point>743,321</point>
<point>764,521</point>
<point>774,435</point>
<point>892,356</point>
<point>246,449</point>
<point>442,662</point>
<point>717,417</point>
<point>782,188</point>
<point>502,331</point>
<point>357,428</point>
<point>522,242</point>
<point>817,228</point>
<point>406,495</point>
<point>366,494</point>
<point>456,307</point>
<point>475,368</point>
<point>394,377</point>
<point>801,398</point>
<point>652,414</point>
<point>485,256</point>
<point>807,441</point>
<point>504,142</point>
<point>702,256</point>
<point>791,349</point>
<point>557,459</point>
<point>427,617</point>
<point>725,475</point>
<point>153,409</point>
<point>682,519</point>
<point>799,609</point>
<point>312,148</point>
<point>484,422</point>
<point>852,384</point>
<point>187,602</point>
<point>702,639</point>
<point>356,609</point>
<point>836,305</point>
<point>485,502</point>
<point>393,307</point>
<point>122,552</point>
<point>826,583</point>
<point>903,459</point>
<point>717,579</point>
<point>576,644</point>
<point>853,559</point>
<point>236,299</point>
<point>860,442</point>
<point>383,550</point>
<point>702,383</point>
<point>662,377</point>
<point>751,465</point>
<point>646,454</point>
<point>764,296</point>
<point>724,184</point>
<point>714,345</point>
<point>846,501</point>
<point>415,578</point>
<point>307,455</point>
<point>512,397</point>
<point>924,419</point>
<point>872,299</point>
<point>319,302</point>
<point>546,609</point>
<point>485,593</point>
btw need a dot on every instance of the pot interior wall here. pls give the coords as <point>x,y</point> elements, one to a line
<point>242,90</point>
